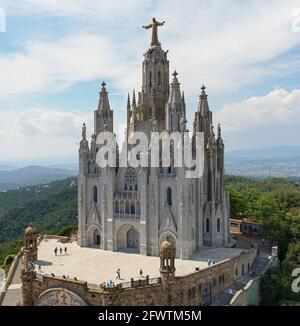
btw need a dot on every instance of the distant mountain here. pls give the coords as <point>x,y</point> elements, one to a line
<point>31,175</point>
<point>283,161</point>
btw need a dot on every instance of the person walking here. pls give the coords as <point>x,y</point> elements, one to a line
<point>55,251</point>
<point>118,277</point>
<point>141,273</point>
<point>66,250</point>
<point>60,250</point>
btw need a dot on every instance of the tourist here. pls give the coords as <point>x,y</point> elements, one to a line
<point>141,273</point>
<point>118,274</point>
<point>209,262</point>
<point>66,250</point>
<point>60,250</point>
<point>40,268</point>
<point>55,251</point>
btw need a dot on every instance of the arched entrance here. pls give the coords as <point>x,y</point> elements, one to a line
<point>132,239</point>
<point>128,239</point>
<point>94,237</point>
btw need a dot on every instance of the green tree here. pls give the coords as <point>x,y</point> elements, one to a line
<point>266,207</point>
<point>237,201</point>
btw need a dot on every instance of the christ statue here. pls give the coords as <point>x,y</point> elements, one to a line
<point>154,26</point>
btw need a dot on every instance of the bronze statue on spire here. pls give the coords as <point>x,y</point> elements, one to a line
<point>154,26</point>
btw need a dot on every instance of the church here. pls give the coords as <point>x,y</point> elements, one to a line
<point>135,209</point>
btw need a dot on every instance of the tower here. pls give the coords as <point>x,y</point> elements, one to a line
<point>30,249</point>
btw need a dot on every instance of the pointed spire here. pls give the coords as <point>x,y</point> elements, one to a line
<point>203,94</point>
<point>84,131</point>
<point>103,105</point>
<point>133,99</point>
<point>128,103</point>
<point>175,94</point>
<point>203,104</point>
<point>219,131</point>
<point>183,99</point>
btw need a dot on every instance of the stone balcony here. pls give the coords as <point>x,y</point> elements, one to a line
<point>127,195</point>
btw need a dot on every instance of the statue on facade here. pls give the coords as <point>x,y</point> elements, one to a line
<point>154,26</point>
<point>84,131</point>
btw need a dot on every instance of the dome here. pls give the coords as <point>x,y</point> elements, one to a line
<point>30,230</point>
<point>166,244</point>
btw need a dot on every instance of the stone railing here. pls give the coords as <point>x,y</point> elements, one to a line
<point>127,216</point>
<point>141,282</point>
<point>127,195</point>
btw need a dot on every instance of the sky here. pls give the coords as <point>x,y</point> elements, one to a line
<point>54,54</point>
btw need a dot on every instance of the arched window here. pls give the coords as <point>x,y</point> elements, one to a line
<point>127,207</point>
<point>207,225</point>
<point>218,225</point>
<point>132,209</point>
<point>131,180</point>
<point>150,80</point>
<point>169,196</point>
<point>117,206</point>
<point>159,81</point>
<point>95,194</point>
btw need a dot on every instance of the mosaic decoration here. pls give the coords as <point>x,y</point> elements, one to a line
<point>59,297</point>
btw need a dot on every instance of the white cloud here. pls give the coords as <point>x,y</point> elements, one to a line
<point>48,66</point>
<point>272,119</point>
<point>279,106</point>
<point>222,44</point>
<point>36,132</point>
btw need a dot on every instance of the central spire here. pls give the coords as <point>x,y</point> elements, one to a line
<point>154,26</point>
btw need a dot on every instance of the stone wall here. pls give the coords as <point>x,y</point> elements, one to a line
<point>198,288</point>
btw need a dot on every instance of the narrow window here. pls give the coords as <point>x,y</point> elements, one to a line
<point>95,194</point>
<point>218,225</point>
<point>207,225</point>
<point>169,196</point>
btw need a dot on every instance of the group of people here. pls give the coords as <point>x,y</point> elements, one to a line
<point>60,251</point>
<point>210,262</point>
<point>118,277</point>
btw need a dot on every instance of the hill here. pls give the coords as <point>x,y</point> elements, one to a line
<point>31,175</point>
<point>50,207</point>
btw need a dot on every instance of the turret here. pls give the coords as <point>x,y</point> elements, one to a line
<point>175,108</point>
<point>203,116</point>
<point>103,116</point>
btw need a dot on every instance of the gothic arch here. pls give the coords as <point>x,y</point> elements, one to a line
<point>128,238</point>
<point>94,236</point>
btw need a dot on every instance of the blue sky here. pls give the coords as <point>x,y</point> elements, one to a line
<point>54,55</point>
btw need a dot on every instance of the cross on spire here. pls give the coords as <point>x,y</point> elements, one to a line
<point>103,84</point>
<point>203,88</point>
<point>175,74</point>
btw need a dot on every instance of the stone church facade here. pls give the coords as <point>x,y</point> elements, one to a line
<point>135,209</point>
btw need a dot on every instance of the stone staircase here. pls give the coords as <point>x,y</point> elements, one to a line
<point>258,267</point>
<point>224,298</point>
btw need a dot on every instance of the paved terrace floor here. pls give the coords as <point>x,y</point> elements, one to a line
<point>98,266</point>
